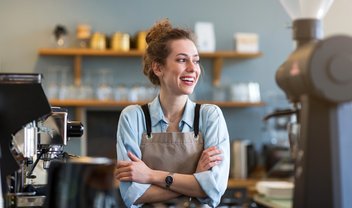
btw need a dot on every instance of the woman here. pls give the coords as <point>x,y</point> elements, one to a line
<point>171,147</point>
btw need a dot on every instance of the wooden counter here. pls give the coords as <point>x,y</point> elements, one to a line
<point>249,184</point>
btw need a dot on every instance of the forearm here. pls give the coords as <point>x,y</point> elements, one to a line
<point>156,194</point>
<point>136,171</point>
<point>184,184</point>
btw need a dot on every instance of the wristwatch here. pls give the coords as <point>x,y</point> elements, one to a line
<point>169,180</point>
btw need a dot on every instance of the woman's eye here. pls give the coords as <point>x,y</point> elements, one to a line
<point>196,62</point>
<point>181,60</point>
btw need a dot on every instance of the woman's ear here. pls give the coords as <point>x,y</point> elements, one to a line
<point>157,69</point>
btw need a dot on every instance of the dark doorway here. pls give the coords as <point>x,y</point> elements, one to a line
<point>101,133</point>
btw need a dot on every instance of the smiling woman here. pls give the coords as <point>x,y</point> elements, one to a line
<point>180,73</point>
<point>172,148</point>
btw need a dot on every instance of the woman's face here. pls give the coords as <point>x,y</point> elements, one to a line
<point>181,71</point>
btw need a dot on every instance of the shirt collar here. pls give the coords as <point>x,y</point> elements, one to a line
<point>157,115</point>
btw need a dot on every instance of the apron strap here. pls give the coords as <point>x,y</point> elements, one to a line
<point>196,120</point>
<point>148,121</point>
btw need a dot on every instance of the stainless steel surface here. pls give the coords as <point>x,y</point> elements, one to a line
<point>29,129</point>
<point>53,130</point>
<point>22,101</point>
<point>30,140</point>
<point>30,201</point>
<point>21,78</point>
<point>45,137</point>
<point>293,130</point>
<point>25,200</point>
<point>52,152</point>
<point>40,140</point>
<point>290,124</point>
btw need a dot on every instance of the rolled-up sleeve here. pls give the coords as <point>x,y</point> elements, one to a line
<point>215,133</point>
<point>128,139</point>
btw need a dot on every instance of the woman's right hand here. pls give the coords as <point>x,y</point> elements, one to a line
<point>209,158</point>
<point>135,170</point>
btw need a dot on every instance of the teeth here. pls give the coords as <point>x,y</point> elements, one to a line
<point>187,79</point>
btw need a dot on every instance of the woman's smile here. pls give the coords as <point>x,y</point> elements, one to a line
<point>188,80</point>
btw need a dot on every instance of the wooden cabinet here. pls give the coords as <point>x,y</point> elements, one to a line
<point>77,54</point>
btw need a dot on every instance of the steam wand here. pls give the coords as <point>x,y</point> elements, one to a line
<point>42,152</point>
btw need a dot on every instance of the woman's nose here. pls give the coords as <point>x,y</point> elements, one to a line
<point>191,66</point>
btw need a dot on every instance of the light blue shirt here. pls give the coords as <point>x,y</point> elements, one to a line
<point>213,127</point>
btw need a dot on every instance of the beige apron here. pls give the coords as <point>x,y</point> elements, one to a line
<point>175,152</point>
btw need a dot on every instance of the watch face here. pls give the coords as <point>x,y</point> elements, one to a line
<point>169,180</point>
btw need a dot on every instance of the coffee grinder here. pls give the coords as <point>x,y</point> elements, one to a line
<point>317,77</point>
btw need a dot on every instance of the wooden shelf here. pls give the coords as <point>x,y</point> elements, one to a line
<point>77,53</point>
<point>231,104</point>
<point>88,52</point>
<point>137,53</point>
<point>98,103</point>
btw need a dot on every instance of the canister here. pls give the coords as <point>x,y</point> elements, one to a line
<point>141,42</point>
<point>83,34</point>
<point>120,41</point>
<point>98,41</point>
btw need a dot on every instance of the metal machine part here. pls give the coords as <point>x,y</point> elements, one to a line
<point>25,108</point>
<point>318,76</point>
<point>290,124</point>
<point>43,139</point>
<point>47,136</point>
<point>22,100</point>
<point>320,69</point>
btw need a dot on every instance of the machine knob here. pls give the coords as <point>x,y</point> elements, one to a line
<point>74,129</point>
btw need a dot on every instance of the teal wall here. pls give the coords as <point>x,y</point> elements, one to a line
<point>27,26</point>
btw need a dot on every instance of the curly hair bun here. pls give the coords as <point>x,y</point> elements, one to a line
<point>158,30</point>
<point>158,48</point>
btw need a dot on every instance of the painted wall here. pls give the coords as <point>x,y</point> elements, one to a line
<point>337,17</point>
<point>27,26</point>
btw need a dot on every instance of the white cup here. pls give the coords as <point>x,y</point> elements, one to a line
<point>245,92</point>
<point>253,92</point>
<point>239,92</point>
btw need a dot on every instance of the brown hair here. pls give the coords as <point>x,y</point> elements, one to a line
<point>158,40</point>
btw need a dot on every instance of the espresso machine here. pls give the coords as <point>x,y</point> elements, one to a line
<point>30,131</point>
<point>42,140</point>
<point>317,79</point>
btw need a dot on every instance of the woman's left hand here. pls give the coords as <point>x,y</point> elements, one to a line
<point>209,158</point>
<point>135,170</point>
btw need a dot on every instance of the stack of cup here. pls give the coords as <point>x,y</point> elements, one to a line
<point>245,92</point>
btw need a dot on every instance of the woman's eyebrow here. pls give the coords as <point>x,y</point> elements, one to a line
<point>183,54</point>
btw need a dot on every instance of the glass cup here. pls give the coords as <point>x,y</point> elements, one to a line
<point>52,90</point>
<point>133,93</point>
<point>66,89</point>
<point>239,92</point>
<point>219,93</point>
<point>120,93</point>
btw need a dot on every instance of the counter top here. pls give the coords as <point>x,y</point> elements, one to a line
<point>275,203</point>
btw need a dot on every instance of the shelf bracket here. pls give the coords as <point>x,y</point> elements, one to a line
<point>217,67</point>
<point>77,70</point>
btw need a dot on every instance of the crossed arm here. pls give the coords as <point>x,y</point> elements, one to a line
<point>184,184</point>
